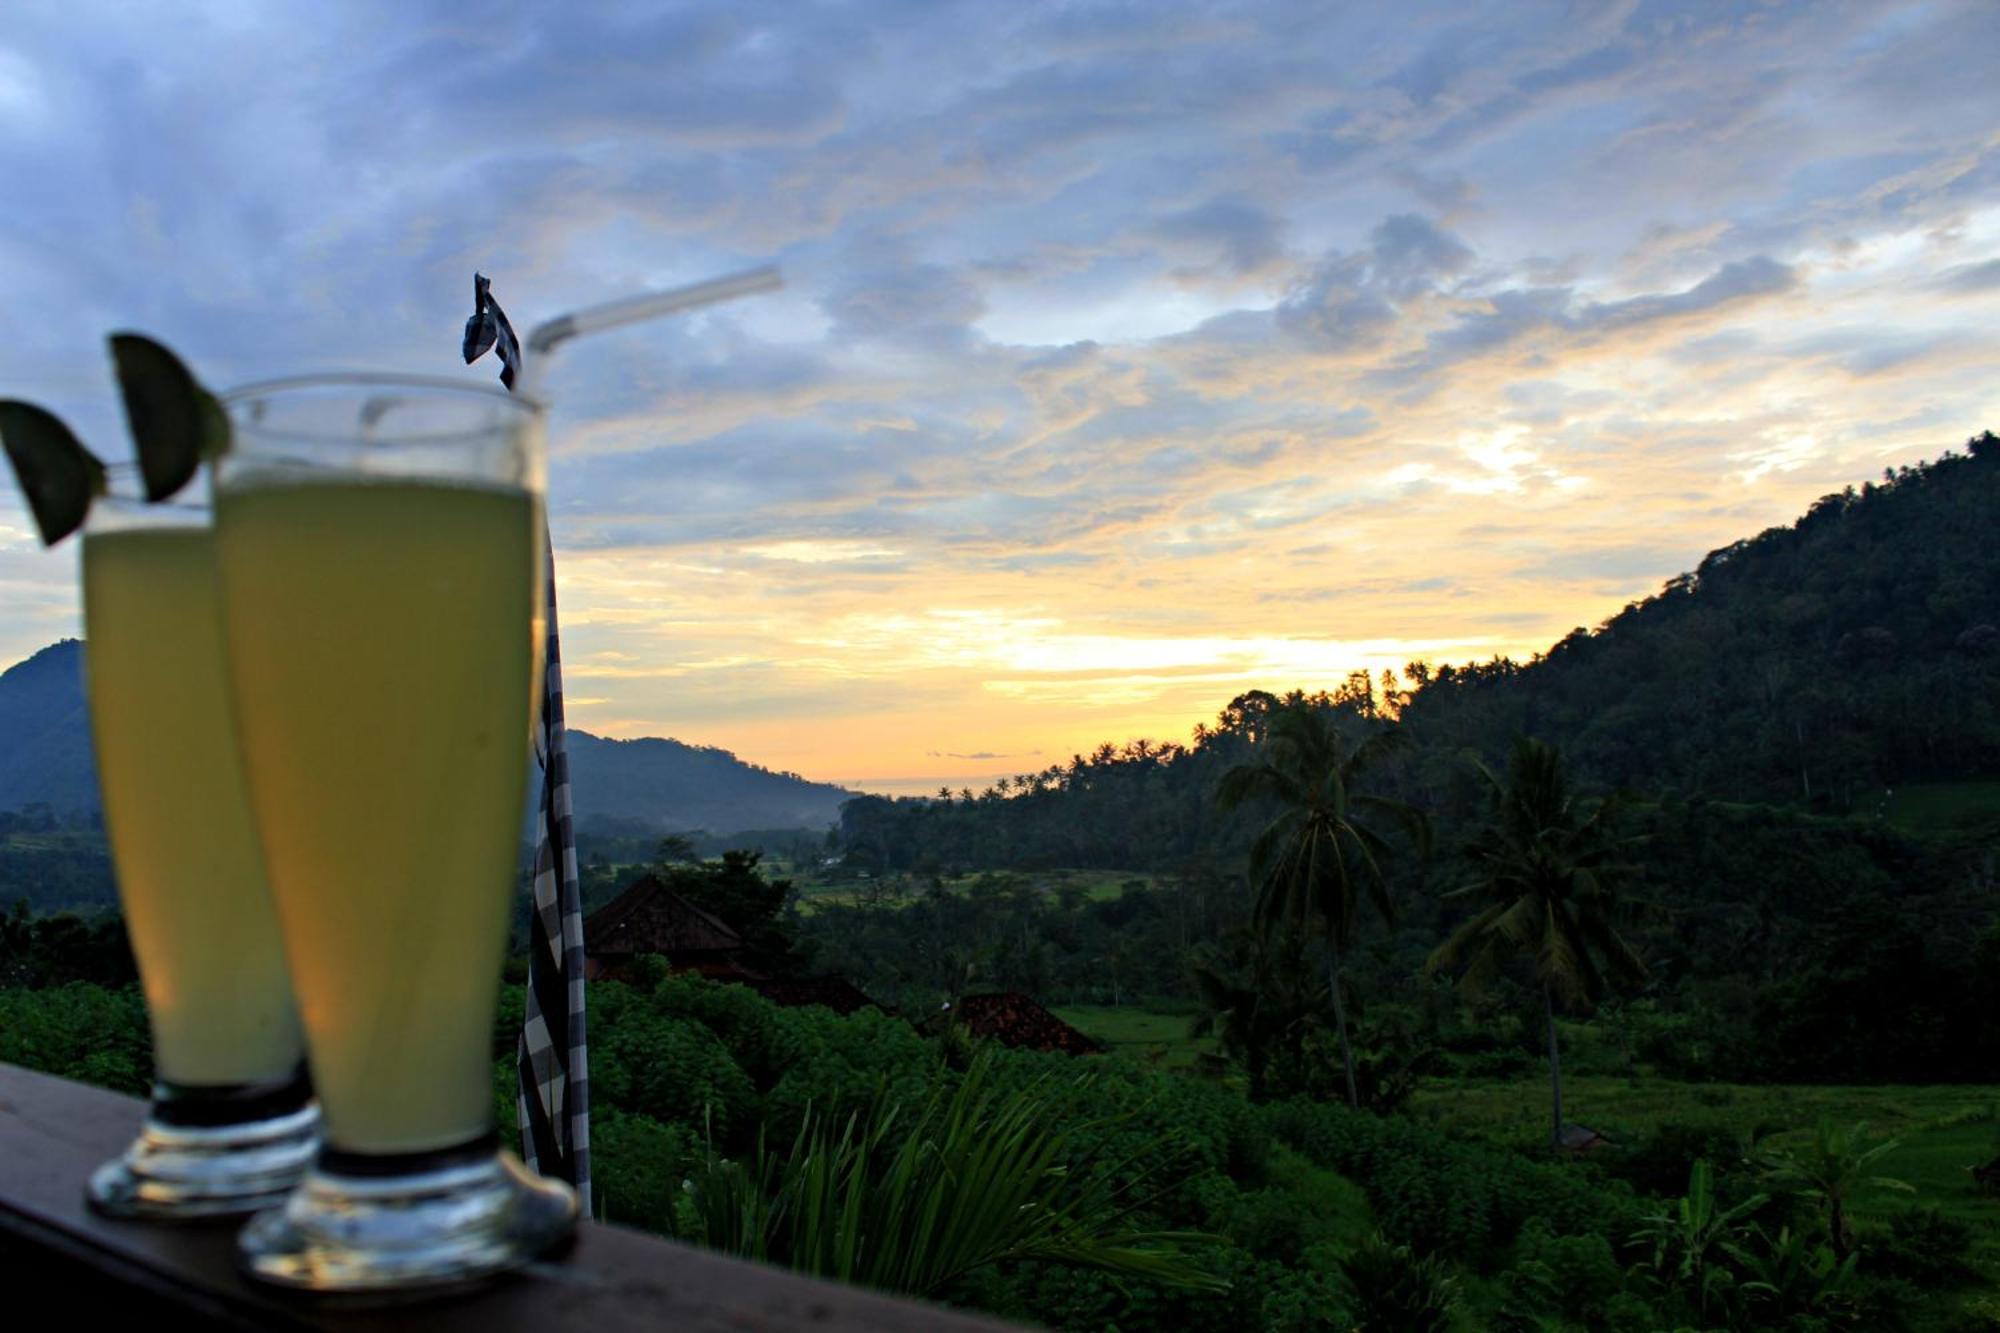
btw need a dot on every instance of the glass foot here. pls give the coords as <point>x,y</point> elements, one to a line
<point>362,1223</point>
<point>211,1152</point>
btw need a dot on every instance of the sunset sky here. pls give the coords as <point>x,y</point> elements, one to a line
<point>1131,355</point>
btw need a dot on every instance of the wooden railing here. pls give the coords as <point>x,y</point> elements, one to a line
<point>63,1267</point>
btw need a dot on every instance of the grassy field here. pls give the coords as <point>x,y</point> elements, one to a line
<point>1093,885</point>
<point>1943,1130</point>
<point>1943,807</point>
<point>1147,1034</point>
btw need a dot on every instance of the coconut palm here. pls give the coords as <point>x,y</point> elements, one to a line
<point>1323,853</point>
<point>1548,869</point>
<point>1830,1169</point>
<point>1258,1007</point>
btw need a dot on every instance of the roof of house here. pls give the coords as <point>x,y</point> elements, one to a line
<point>1014,1019</point>
<point>836,993</point>
<point>1581,1138</point>
<point>651,918</point>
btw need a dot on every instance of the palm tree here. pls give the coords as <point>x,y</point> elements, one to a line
<point>1548,871</point>
<point>1322,854</point>
<point>1831,1169</point>
<point>1256,1006</point>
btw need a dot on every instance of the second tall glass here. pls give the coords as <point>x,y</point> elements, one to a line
<point>231,1125</point>
<point>380,543</point>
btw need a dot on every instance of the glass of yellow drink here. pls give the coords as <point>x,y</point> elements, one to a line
<point>232,1124</point>
<point>380,543</point>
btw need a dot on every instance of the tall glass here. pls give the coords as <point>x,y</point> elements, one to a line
<point>232,1125</point>
<point>381,553</point>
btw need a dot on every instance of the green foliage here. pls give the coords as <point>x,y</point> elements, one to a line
<point>670,1069</point>
<point>1790,1276</point>
<point>1581,1267</point>
<point>1829,1169</point>
<point>1322,854</point>
<point>733,890</point>
<point>1659,1163</point>
<point>978,1176</point>
<point>56,950</point>
<point>639,1167</point>
<point>1548,870</point>
<point>1304,1208</point>
<point>1922,1245</point>
<point>763,1039</point>
<point>1444,1194</point>
<point>1394,1290</point>
<point>1693,1247</point>
<point>845,1063</point>
<point>81,1032</point>
<point>1849,652</point>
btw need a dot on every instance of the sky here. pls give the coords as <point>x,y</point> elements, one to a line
<point>1131,355</point>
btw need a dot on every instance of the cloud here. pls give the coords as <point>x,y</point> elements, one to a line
<point>1103,323</point>
<point>888,296</point>
<point>1228,233</point>
<point>1971,278</point>
<point>1352,300</point>
<point>1511,314</point>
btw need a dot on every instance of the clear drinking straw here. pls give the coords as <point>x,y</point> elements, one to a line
<point>552,333</point>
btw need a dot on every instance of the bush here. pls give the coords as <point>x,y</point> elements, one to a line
<point>80,1031</point>
<point>764,1039</point>
<point>1921,1245</point>
<point>1391,1287</point>
<point>1584,1271</point>
<point>637,1167</point>
<point>1263,1296</point>
<point>671,1070</point>
<point>1439,1194</point>
<point>1305,1207</point>
<point>845,1063</point>
<point>1659,1164</point>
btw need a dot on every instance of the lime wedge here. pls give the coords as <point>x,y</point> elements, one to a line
<point>58,475</point>
<point>174,421</point>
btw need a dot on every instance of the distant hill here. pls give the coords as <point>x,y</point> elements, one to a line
<point>1856,650</point>
<point>649,785</point>
<point>1831,665</point>
<point>668,786</point>
<point>45,733</point>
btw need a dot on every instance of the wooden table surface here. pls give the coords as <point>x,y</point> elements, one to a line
<point>59,1257</point>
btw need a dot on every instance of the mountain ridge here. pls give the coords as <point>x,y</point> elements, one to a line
<point>654,782</point>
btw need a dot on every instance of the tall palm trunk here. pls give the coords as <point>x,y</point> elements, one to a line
<point>1555,1071</point>
<point>1340,1023</point>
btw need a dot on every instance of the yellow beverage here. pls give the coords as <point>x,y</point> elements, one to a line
<point>190,875</point>
<point>384,644</point>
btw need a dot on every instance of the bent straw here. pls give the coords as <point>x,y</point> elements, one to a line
<point>650,305</point>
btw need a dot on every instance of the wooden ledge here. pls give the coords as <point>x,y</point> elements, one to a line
<point>85,1271</point>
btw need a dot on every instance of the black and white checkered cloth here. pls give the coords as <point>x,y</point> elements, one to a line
<point>553,1069</point>
<point>554,1065</point>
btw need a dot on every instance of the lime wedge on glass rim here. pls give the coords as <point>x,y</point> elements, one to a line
<point>57,474</point>
<point>176,424</point>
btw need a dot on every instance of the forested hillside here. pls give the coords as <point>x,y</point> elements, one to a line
<point>1856,649</point>
<point>1816,666</point>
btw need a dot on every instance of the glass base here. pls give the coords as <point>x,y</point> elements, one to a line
<point>212,1152</point>
<point>363,1223</point>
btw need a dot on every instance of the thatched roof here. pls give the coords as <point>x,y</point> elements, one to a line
<point>836,993</point>
<point>1014,1019</point>
<point>1582,1138</point>
<point>651,918</point>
